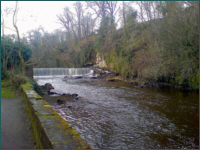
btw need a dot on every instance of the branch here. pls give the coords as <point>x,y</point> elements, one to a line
<point>32,61</point>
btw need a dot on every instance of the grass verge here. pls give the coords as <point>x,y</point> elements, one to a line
<point>7,91</point>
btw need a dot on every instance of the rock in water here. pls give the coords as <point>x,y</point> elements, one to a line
<point>60,101</point>
<point>48,86</point>
<point>74,95</point>
<point>76,98</point>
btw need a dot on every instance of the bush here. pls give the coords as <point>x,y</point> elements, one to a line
<point>36,87</point>
<point>5,75</point>
<point>17,80</point>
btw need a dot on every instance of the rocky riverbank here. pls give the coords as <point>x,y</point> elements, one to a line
<point>112,77</point>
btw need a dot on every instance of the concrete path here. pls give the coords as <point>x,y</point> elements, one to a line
<point>16,132</point>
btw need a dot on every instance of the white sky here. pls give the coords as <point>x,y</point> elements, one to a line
<point>32,14</point>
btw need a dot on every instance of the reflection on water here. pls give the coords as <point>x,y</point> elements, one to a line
<point>117,115</point>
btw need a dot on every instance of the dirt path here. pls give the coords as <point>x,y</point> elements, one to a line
<point>16,132</point>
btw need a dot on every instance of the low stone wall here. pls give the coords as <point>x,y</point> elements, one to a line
<point>51,131</point>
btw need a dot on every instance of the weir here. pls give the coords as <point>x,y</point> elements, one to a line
<point>61,71</point>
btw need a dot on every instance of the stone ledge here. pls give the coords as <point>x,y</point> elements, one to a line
<point>51,131</point>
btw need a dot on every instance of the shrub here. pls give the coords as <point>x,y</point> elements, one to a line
<point>17,80</point>
<point>5,75</point>
<point>36,87</point>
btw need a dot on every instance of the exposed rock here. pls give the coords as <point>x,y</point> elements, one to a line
<point>116,78</point>
<point>51,93</point>
<point>47,87</point>
<point>66,94</point>
<point>69,95</point>
<point>76,98</point>
<point>60,101</point>
<point>77,77</point>
<point>100,62</point>
<point>74,95</point>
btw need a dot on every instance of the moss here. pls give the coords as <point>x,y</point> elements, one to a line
<point>26,86</point>
<point>6,90</point>
<point>41,140</point>
<point>7,93</point>
<point>75,135</point>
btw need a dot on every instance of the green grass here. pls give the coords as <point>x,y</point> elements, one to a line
<point>6,90</point>
<point>7,93</point>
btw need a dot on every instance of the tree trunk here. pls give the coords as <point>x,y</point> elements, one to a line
<point>18,37</point>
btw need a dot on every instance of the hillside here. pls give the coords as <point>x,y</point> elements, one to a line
<point>164,50</point>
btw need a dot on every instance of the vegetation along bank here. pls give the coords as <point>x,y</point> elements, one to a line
<point>157,43</point>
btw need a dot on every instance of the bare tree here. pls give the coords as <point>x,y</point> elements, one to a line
<point>88,24</point>
<point>124,12</point>
<point>98,8</point>
<point>111,7</point>
<point>67,21</point>
<point>30,61</point>
<point>141,13</point>
<point>104,8</point>
<point>79,11</point>
<point>18,37</point>
<point>5,55</point>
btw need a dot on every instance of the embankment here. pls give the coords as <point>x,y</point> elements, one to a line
<point>51,131</point>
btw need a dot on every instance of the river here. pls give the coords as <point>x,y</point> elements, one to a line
<point>115,115</point>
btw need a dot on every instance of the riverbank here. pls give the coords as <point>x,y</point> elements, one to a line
<point>141,83</point>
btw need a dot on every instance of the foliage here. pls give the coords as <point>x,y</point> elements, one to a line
<point>36,87</point>
<point>5,75</point>
<point>14,80</point>
<point>11,82</point>
<point>164,50</point>
<point>11,52</point>
<point>18,80</point>
<point>159,42</point>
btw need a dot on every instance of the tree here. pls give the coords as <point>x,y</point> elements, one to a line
<point>5,55</point>
<point>79,13</point>
<point>112,9</point>
<point>18,37</point>
<point>98,8</point>
<point>88,24</point>
<point>11,48</point>
<point>67,21</point>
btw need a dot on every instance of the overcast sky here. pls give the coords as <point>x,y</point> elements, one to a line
<point>32,14</point>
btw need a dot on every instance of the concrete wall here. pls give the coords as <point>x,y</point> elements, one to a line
<point>51,131</point>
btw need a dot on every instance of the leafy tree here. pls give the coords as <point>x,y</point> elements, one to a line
<point>11,48</point>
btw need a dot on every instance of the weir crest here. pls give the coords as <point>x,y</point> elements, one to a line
<point>61,71</point>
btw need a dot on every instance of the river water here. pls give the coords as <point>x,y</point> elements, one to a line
<point>115,115</point>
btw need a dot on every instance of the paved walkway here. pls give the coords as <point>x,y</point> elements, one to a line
<point>16,132</point>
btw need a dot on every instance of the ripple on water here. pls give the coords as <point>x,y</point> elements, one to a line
<point>127,117</point>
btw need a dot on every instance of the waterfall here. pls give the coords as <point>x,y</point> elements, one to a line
<point>61,71</point>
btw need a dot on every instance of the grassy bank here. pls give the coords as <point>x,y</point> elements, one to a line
<point>7,91</point>
<point>11,84</point>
